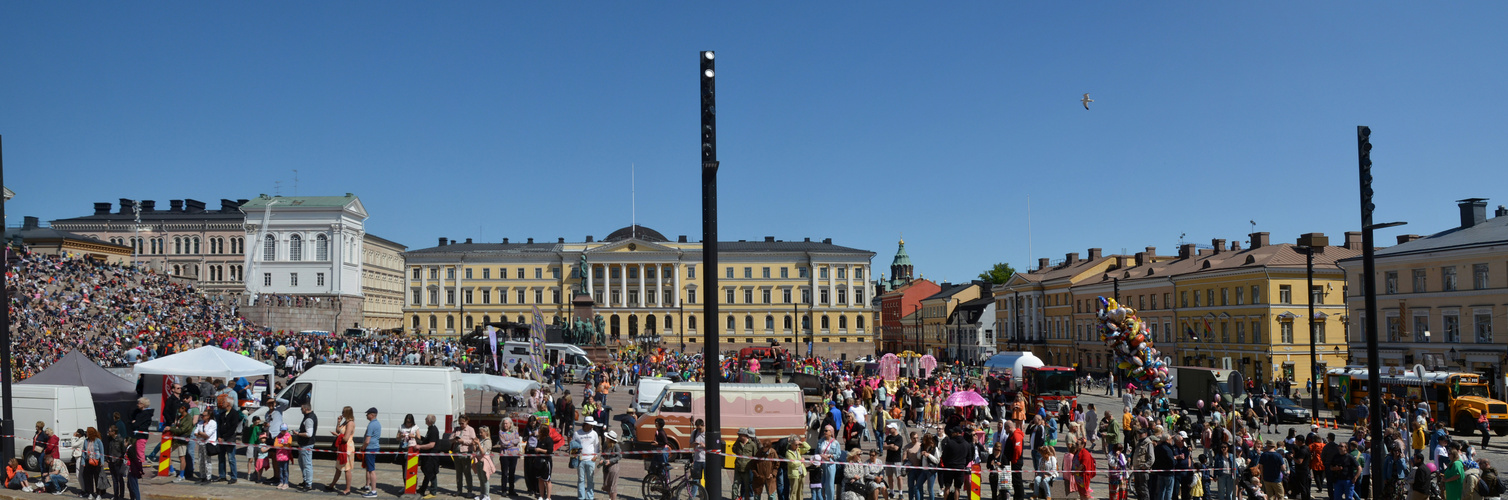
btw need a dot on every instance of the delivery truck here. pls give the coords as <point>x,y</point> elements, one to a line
<point>1192,384</point>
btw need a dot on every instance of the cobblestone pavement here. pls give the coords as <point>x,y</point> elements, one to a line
<point>390,480</point>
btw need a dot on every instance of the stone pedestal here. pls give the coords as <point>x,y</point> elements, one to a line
<point>583,305</point>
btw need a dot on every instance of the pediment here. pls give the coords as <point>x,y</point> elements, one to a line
<point>631,245</point>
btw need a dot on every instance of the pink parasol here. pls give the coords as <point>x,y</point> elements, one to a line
<point>965,398</point>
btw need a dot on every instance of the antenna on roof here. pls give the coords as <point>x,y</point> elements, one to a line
<point>1253,226</point>
<point>1028,229</point>
<point>277,188</point>
<point>295,182</point>
<point>1180,238</point>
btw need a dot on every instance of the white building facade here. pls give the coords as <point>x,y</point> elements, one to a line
<point>309,245</point>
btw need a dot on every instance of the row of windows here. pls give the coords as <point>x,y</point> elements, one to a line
<point>486,272</point>
<point>296,248</point>
<point>1481,278</point>
<point>651,297</point>
<point>616,272</point>
<point>319,279</point>
<point>801,272</point>
<point>1450,331</point>
<point>651,323</point>
<point>182,245</point>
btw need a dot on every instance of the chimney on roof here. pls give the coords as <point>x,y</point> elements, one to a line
<point>769,239</point>
<point>1502,210</point>
<point>126,204</point>
<point>442,241</point>
<point>29,222</point>
<point>102,208</point>
<point>193,206</point>
<point>1235,246</point>
<point>1141,259</point>
<point>1185,250</point>
<point>1353,240</point>
<point>148,205</point>
<point>1071,258</point>
<point>1218,243</point>
<point>1473,211</point>
<point>560,240</point>
<point>589,238</point>
<point>1094,253</point>
<point>242,202</point>
<point>174,206</point>
<point>1151,253</point>
<point>1405,238</point>
<point>1042,263</point>
<point>505,241</point>
<point>827,240</point>
<point>531,241</point>
<point>1120,261</point>
<point>1259,240</point>
<point>680,239</point>
<point>229,206</point>
<point>468,241</point>
<point>808,240</point>
<point>1317,241</point>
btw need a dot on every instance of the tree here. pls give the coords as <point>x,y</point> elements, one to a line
<point>999,274</point>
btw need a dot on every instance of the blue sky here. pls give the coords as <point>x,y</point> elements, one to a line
<point>857,121</point>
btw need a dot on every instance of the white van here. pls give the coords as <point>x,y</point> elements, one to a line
<point>64,408</point>
<point>394,390</point>
<point>562,356</point>
<point>648,391</point>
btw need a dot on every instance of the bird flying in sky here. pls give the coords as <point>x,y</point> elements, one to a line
<point>1086,100</point>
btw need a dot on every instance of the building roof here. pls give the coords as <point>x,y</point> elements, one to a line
<point>636,231</point>
<point>742,246</point>
<point>178,211</point>
<point>951,290</point>
<point>981,302</point>
<point>31,230</point>
<point>1493,231</point>
<point>901,258</point>
<point>300,201</point>
<point>384,240</point>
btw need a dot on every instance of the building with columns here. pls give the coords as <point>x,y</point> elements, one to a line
<point>308,248</point>
<point>382,283</point>
<point>808,294</point>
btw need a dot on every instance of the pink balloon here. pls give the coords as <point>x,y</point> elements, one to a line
<point>1201,404</point>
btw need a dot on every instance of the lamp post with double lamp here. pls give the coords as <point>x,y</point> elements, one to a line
<point>709,260</point>
<point>1308,244</point>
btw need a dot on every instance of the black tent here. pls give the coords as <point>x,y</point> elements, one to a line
<point>111,393</point>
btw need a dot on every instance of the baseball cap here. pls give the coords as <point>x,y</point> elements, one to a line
<point>372,410</point>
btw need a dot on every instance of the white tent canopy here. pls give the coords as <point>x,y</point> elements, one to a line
<point>507,385</point>
<point>208,361</point>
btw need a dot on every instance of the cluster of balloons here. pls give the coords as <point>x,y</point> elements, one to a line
<point>1131,341</point>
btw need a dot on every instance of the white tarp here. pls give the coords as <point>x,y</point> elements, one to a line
<point>515,387</point>
<point>207,361</point>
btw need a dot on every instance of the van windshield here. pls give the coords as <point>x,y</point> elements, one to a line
<point>672,402</point>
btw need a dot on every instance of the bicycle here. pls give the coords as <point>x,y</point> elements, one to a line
<point>659,486</point>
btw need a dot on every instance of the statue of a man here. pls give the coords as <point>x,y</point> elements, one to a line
<point>581,272</point>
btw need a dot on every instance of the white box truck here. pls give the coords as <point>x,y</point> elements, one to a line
<point>394,390</point>
<point>569,357</point>
<point>64,408</point>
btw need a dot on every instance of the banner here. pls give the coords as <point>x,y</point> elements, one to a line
<point>537,344</point>
<point>492,342</point>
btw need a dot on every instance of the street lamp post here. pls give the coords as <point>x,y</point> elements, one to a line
<point>1307,244</point>
<point>1019,324</point>
<point>711,374</point>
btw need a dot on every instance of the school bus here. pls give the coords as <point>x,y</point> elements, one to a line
<point>1455,398</point>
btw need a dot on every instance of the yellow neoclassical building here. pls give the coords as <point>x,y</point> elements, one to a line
<point>807,295</point>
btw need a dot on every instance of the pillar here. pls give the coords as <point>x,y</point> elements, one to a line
<point>642,298</point>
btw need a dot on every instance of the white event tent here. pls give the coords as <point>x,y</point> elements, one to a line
<point>207,361</point>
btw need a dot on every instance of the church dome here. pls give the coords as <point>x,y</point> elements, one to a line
<point>636,231</point>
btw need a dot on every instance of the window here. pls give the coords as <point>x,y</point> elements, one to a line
<point>1483,321</point>
<point>1452,324</point>
<point>785,273</point>
<point>1287,331</point>
<point>769,323</point>
<point>765,273</point>
<point>1394,328</point>
<point>728,299</point>
<point>691,273</point>
<point>1421,325</point>
<point>1209,297</point>
<point>1448,277</point>
<point>434,273</point>
<point>1256,332</point>
<point>502,273</point>
<point>1479,276</point>
<point>765,294</point>
<point>785,295</point>
<point>295,248</point>
<point>858,274</point>
<point>843,323</point>
<point>1167,300</point>
<point>732,324</point>
<point>434,297</point>
<point>842,273</point>
<point>824,296</point>
<point>858,323</point>
<point>858,296</point>
<point>521,276</point>
<point>729,273</point>
<point>842,296</point>
<point>1319,331</point>
<point>806,296</point>
<point>269,248</point>
<point>633,273</point>
<point>1224,296</point>
<point>486,295</point>
<point>467,273</point>
<point>691,323</point>
<point>416,273</point>
<point>748,272</point>
<point>319,279</point>
<point>1224,332</point>
<point>1240,331</point>
<point>1153,301</point>
<point>450,296</point>
<point>555,273</point>
<point>748,295</point>
<point>1285,294</point>
<point>466,296</point>
<point>651,296</point>
<point>1420,281</point>
<point>196,246</point>
<point>321,248</point>
<point>450,322</point>
<point>801,272</point>
<point>1317,294</point>
<point>266,279</point>
<point>1390,282</point>
<point>1196,298</point>
<point>825,323</point>
<point>520,296</point>
<point>450,273</point>
<point>416,299</point>
<point>292,279</point>
<point>823,273</point>
<point>539,296</point>
<point>1256,295</point>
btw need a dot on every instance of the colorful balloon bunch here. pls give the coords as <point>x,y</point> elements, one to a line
<point>1131,341</point>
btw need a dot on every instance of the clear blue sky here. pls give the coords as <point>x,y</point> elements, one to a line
<point>857,121</point>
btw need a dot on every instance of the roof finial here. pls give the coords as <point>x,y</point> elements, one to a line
<point>903,238</point>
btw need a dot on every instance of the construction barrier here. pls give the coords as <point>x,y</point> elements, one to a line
<point>165,456</point>
<point>411,473</point>
<point>974,482</point>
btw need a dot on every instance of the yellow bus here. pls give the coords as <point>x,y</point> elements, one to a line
<point>1454,398</point>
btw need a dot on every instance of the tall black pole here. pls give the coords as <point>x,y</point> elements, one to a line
<point>1369,284</point>
<point>7,419</point>
<point>1314,373</point>
<point>711,365</point>
<point>1020,323</point>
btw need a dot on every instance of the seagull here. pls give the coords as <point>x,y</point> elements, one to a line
<point>1086,100</point>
